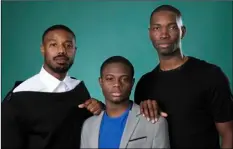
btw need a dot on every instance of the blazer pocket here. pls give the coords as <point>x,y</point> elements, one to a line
<point>138,139</point>
<point>139,142</point>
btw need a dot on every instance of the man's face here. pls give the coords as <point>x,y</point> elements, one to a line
<point>116,82</point>
<point>166,31</point>
<point>59,50</point>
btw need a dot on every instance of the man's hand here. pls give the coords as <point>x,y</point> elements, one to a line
<point>92,105</point>
<point>150,110</point>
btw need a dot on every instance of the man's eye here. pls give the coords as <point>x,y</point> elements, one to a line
<point>69,46</point>
<point>53,44</point>
<point>173,27</point>
<point>155,28</point>
<point>109,79</point>
<point>126,79</point>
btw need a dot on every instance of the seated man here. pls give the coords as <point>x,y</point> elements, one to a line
<point>121,125</point>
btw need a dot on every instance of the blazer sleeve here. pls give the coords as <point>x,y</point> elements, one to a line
<point>84,135</point>
<point>161,135</point>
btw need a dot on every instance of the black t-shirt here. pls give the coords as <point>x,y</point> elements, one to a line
<point>42,120</point>
<point>195,96</point>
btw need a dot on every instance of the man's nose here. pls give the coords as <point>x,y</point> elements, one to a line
<point>117,83</point>
<point>61,49</point>
<point>164,33</point>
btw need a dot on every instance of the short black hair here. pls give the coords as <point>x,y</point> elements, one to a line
<point>57,27</point>
<point>117,59</point>
<point>166,8</point>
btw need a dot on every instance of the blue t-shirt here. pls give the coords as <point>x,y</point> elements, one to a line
<point>111,130</point>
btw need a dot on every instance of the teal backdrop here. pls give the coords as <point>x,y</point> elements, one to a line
<point>107,28</point>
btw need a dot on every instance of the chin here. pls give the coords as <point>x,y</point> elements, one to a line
<point>62,68</point>
<point>166,52</point>
<point>116,100</point>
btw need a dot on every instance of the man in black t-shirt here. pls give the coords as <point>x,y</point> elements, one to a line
<point>194,94</point>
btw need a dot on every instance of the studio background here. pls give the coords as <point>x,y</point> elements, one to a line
<point>107,28</point>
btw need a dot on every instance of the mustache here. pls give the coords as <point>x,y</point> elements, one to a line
<point>61,56</point>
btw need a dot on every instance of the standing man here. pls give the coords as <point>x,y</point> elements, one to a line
<point>194,94</point>
<point>42,112</point>
<point>121,125</point>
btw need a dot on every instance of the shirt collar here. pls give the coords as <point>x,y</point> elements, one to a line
<point>50,81</point>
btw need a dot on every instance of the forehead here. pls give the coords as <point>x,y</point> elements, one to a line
<point>164,16</point>
<point>116,68</point>
<point>59,34</point>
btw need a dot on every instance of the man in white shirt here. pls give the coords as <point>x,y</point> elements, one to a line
<point>43,112</point>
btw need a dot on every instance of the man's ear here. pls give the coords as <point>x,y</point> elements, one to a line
<point>183,29</point>
<point>42,49</point>
<point>100,81</point>
<point>75,49</point>
<point>149,32</point>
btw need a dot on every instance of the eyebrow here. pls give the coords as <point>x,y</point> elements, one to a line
<point>51,39</point>
<point>168,24</point>
<point>110,74</point>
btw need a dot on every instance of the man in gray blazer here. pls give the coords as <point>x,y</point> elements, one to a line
<point>121,125</point>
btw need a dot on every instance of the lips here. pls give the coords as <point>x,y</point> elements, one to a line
<point>164,45</point>
<point>116,94</point>
<point>61,59</point>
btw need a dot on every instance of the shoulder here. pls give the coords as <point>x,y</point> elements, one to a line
<point>71,78</point>
<point>204,65</point>
<point>147,77</point>
<point>161,120</point>
<point>150,74</point>
<point>91,120</point>
<point>89,124</point>
<point>73,82</point>
<point>28,84</point>
<point>209,70</point>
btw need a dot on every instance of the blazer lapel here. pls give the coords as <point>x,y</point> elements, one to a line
<point>96,130</point>
<point>131,124</point>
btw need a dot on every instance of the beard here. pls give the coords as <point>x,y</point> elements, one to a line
<point>59,68</point>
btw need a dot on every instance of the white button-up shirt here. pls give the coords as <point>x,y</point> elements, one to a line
<point>45,82</point>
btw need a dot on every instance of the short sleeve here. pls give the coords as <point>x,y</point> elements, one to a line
<point>220,97</point>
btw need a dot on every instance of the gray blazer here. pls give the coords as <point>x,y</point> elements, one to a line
<point>138,132</point>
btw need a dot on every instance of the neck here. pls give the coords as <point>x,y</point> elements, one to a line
<point>116,110</point>
<point>59,76</point>
<point>173,61</point>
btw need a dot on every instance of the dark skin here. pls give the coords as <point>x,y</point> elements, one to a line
<point>166,31</point>
<point>116,83</point>
<point>58,49</point>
